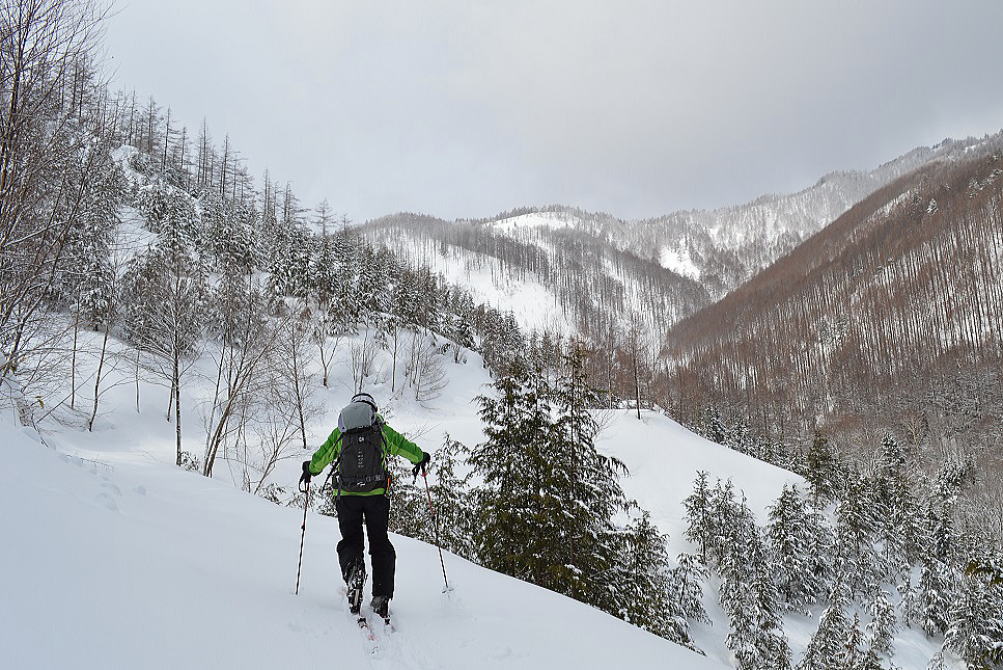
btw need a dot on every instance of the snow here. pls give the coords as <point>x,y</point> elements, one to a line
<point>679,261</point>
<point>126,562</point>
<point>551,220</point>
<point>664,458</point>
<point>123,560</point>
<point>534,306</point>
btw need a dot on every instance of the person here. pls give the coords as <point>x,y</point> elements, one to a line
<point>359,448</point>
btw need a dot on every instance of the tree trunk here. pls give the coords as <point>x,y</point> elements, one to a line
<point>637,388</point>
<point>97,378</point>
<point>176,382</point>
<point>137,379</point>
<point>298,390</point>
<point>73,362</point>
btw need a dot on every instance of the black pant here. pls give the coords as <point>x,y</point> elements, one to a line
<point>376,512</point>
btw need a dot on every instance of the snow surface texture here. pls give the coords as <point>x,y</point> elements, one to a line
<point>137,564</point>
<point>115,558</point>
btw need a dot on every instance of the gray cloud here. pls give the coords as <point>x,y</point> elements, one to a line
<point>634,107</point>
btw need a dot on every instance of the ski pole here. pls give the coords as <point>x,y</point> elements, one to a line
<point>306,504</point>
<point>435,526</point>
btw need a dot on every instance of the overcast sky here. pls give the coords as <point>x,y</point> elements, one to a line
<point>637,108</point>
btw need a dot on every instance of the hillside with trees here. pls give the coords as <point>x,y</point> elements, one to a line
<point>888,319</point>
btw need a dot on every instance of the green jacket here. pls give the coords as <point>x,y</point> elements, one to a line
<point>394,444</point>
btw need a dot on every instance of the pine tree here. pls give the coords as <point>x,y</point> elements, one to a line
<point>453,502</point>
<point>853,655</point>
<point>855,526</point>
<point>826,648</point>
<point>749,595</point>
<point>714,427</point>
<point>644,583</point>
<point>937,590</point>
<point>724,515</point>
<point>881,628</point>
<point>590,483</point>
<point>700,522</point>
<point>975,631</point>
<point>790,535</point>
<point>687,590</point>
<point>822,468</point>
<point>549,497</point>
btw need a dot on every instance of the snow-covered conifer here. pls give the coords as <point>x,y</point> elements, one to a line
<point>791,535</point>
<point>881,628</point>
<point>699,518</point>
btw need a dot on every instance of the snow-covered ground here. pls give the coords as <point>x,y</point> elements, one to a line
<point>113,557</point>
<point>136,564</point>
<point>534,305</point>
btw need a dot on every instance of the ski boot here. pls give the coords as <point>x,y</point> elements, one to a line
<point>355,581</point>
<point>381,605</point>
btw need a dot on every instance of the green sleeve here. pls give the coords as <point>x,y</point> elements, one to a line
<point>327,453</point>
<point>398,445</point>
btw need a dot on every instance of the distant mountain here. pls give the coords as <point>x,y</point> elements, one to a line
<point>889,318</point>
<point>565,269</point>
<point>554,269</point>
<point>724,247</point>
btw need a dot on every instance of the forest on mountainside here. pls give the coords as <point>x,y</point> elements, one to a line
<point>116,220</point>
<point>240,277</point>
<point>889,319</point>
<point>596,284</point>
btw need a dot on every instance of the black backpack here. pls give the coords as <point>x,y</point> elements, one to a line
<point>360,466</point>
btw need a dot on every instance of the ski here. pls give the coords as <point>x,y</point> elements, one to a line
<point>364,626</point>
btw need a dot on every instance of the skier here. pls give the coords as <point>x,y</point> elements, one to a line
<point>359,447</point>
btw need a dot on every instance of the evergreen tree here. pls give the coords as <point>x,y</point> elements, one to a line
<point>881,628</point>
<point>724,519</point>
<point>548,498</point>
<point>590,481</point>
<point>790,535</point>
<point>714,427</point>
<point>822,468</point>
<point>644,583</point>
<point>975,631</point>
<point>937,590</point>
<point>826,649</point>
<point>749,596</point>
<point>700,521</point>
<point>855,526</point>
<point>852,653</point>
<point>453,503</point>
<point>687,587</point>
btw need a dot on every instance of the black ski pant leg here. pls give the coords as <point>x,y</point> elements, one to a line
<point>350,548</point>
<point>380,549</point>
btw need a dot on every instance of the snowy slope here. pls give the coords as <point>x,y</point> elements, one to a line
<point>687,259</point>
<point>756,233</point>
<point>664,458</point>
<point>136,563</point>
<point>139,565</point>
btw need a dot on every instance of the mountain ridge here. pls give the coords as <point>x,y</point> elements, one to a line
<point>598,271</point>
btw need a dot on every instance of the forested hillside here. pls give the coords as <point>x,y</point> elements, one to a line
<point>563,269</point>
<point>725,247</point>
<point>888,319</point>
<point>557,270</point>
<point>166,319</point>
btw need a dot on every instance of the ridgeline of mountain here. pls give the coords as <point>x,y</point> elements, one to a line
<point>558,267</point>
<point>890,318</point>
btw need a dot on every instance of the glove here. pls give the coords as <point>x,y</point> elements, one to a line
<point>305,477</point>
<point>420,466</point>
